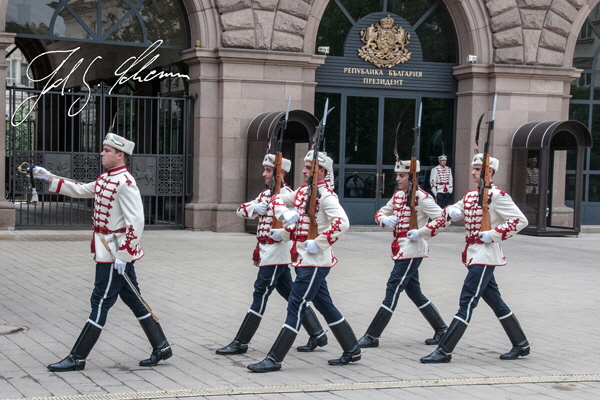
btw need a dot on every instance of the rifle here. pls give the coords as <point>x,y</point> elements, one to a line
<point>412,186</point>
<point>313,181</point>
<point>412,191</point>
<point>278,173</point>
<point>486,177</point>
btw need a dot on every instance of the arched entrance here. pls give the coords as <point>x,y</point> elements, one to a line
<point>388,74</point>
<point>96,65</point>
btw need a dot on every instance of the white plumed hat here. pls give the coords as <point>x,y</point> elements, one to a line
<point>269,161</point>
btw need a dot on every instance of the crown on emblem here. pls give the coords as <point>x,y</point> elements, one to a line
<point>387,22</point>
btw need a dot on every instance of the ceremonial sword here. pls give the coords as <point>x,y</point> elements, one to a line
<point>137,293</point>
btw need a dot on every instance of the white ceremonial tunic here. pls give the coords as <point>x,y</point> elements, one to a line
<point>331,219</point>
<point>441,180</point>
<point>426,209</point>
<point>506,220</point>
<point>269,252</point>
<point>118,212</point>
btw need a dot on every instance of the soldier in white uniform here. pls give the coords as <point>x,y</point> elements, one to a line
<point>408,250</point>
<point>441,182</point>
<point>273,259</point>
<point>313,260</point>
<point>482,254</point>
<point>118,218</point>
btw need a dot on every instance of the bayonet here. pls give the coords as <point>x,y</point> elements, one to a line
<point>412,190</point>
<point>278,170</point>
<point>485,177</point>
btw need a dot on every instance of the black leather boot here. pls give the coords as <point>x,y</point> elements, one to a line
<point>275,357</point>
<point>161,349</point>
<point>75,361</point>
<point>374,331</point>
<point>317,337</point>
<point>436,321</point>
<point>239,345</point>
<point>443,353</point>
<point>515,333</point>
<point>347,339</point>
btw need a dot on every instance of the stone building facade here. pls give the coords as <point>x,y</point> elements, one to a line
<point>248,56</point>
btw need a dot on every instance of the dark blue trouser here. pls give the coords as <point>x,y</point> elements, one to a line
<point>404,277</point>
<point>443,199</point>
<point>268,278</point>
<point>311,285</point>
<point>107,287</point>
<point>480,283</point>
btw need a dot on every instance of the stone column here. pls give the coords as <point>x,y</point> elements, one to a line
<point>7,209</point>
<point>525,94</point>
<point>233,87</point>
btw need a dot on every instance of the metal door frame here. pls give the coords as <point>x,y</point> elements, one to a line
<point>161,127</point>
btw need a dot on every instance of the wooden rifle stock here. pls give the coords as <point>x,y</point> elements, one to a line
<point>278,178</point>
<point>413,194</point>
<point>311,206</point>
<point>486,224</point>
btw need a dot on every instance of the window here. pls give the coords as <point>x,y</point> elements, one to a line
<point>24,78</point>
<point>10,72</point>
<point>115,21</point>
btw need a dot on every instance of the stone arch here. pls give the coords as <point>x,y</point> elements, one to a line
<point>278,25</point>
<point>470,19</point>
<point>576,26</point>
<point>535,33</point>
<point>205,22</point>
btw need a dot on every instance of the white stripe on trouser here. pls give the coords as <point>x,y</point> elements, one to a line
<point>476,293</point>
<point>254,312</point>
<point>143,317</point>
<point>95,324</point>
<point>505,316</point>
<point>395,297</point>
<point>337,322</point>
<point>424,305</point>
<point>110,276</point>
<point>312,281</point>
<point>262,302</point>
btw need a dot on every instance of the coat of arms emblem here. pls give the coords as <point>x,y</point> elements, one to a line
<point>385,43</point>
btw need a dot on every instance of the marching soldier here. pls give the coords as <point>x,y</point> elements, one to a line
<point>408,250</point>
<point>482,254</point>
<point>272,256</point>
<point>313,260</point>
<point>118,218</point>
<point>441,182</point>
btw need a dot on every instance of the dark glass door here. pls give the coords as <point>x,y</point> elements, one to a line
<point>361,137</point>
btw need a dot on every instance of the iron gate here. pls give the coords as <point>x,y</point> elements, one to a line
<point>64,132</point>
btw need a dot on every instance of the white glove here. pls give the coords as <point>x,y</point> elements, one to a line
<point>261,208</point>
<point>485,237</point>
<point>276,235</point>
<point>413,234</point>
<point>120,266</point>
<point>454,213</point>
<point>311,246</point>
<point>390,221</point>
<point>41,173</point>
<point>291,216</point>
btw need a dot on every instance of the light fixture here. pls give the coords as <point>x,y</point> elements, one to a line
<point>472,58</point>
<point>323,50</point>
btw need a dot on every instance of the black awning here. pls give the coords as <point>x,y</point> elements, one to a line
<point>265,125</point>
<point>538,135</point>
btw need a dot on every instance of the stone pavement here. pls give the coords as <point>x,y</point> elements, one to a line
<point>199,284</point>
